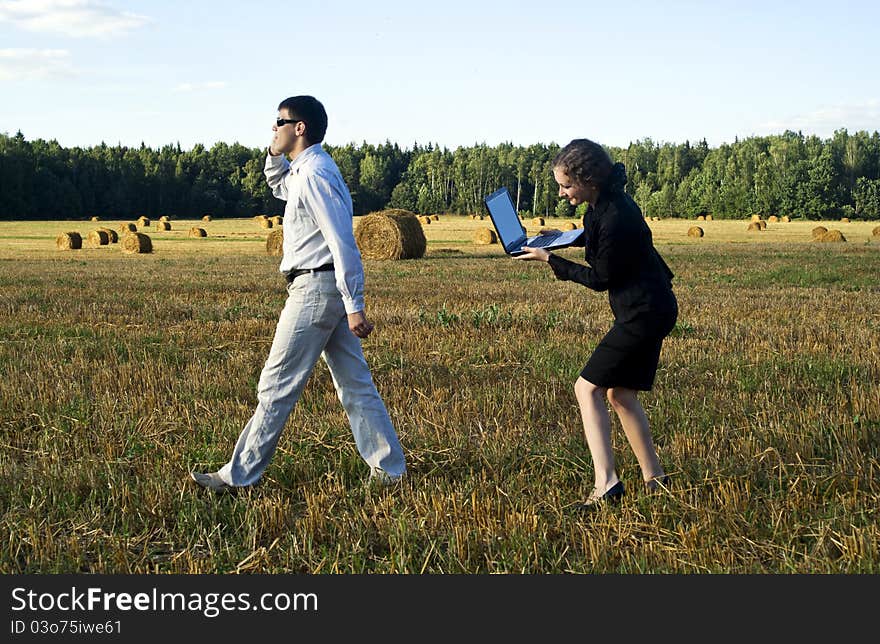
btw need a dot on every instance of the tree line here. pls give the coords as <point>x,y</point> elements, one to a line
<point>786,174</point>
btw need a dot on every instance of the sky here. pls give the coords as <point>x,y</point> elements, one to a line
<point>452,73</point>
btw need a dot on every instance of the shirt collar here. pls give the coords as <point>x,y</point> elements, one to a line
<point>310,152</point>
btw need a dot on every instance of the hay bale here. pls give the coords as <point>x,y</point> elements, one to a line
<point>538,221</point>
<point>483,236</point>
<point>111,234</point>
<point>818,231</point>
<point>756,217</point>
<point>275,243</point>
<point>98,237</point>
<point>68,241</point>
<point>762,224</point>
<point>435,217</point>
<point>754,225</point>
<point>655,218</point>
<point>195,231</point>
<point>844,220</point>
<point>276,220</point>
<point>568,225</point>
<point>127,228</point>
<point>96,218</point>
<point>390,234</point>
<point>164,218</point>
<point>259,218</point>
<point>207,218</point>
<point>143,222</point>
<point>832,235</point>
<point>708,217</point>
<point>772,219</point>
<point>265,223</point>
<point>876,231</point>
<point>786,219</point>
<point>695,231</point>
<point>425,220</point>
<point>137,243</point>
<point>163,225</point>
<point>701,218</point>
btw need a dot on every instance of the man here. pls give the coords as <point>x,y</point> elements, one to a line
<point>324,313</point>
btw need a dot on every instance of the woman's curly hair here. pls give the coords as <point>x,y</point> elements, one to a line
<point>587,162</point>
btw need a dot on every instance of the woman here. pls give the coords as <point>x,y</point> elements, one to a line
<point>623,261</point>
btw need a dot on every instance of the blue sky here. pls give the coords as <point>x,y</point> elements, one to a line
<point>452,73</point>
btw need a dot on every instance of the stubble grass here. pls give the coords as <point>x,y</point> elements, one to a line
<point>120,374</point>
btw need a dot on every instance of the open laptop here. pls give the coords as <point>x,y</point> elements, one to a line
<point>511,232</point>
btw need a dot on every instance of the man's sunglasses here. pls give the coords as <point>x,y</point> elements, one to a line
<point>283,122</point>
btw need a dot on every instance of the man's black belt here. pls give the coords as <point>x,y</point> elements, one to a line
<point>292,275</point>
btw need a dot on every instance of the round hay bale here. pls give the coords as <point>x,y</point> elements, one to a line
<point>259,218</point>
<point>435,217</point>
<point>772,219</point>
<point>275,243</point>
<point>818,231</point>
<point>137,243</point>
<point>762,224</point>
<point>695,231</point>
<point>472,216</point>
<point>754,225</point>
<point>164,218</point>
<point>785,219</point>
<point>390,234</point>
<point>143,222</point>
<point>68,241</point>
<point>276,220</point>
<point>655,218</point>
<point>483,236</point>
<point>832,235</point>
<point>701,218</point>
<point>876,231</point>
<point>756,217</point>
<point>265,223</point>
<point>195,231</point>
<point>127,228</point>
<point>111,234</point>
<point>207,218</point>
<point>98,237</point>
<point>844,220</point>
<point>568,226</point>
<point>708,217</point>
<point>163,225</point>
<point>425,220</point>
<point>538,221</point>
<point>96,218</point>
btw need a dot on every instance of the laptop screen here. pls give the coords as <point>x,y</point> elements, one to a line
<point>504,216</point>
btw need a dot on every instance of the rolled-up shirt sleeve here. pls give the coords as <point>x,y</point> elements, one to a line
<point>324,197</point>
<point>276,170</point>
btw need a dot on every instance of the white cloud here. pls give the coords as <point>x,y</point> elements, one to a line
<point>864,115</point>
<point>195,87</point>
<point>31,64</point>
<point>77,18</point>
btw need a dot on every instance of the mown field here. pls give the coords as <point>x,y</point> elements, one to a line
<point>121,373</point>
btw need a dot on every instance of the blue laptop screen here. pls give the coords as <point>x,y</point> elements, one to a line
<point>504,216</point>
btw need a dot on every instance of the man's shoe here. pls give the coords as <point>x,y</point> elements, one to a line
<point>211,481</point>
<point>381,478</point>
<point>596,501</point>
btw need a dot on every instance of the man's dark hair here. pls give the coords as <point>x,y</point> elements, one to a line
<point>309,110</point>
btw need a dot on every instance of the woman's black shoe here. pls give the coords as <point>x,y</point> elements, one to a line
<point>613,496</point>
<point>656,483</point>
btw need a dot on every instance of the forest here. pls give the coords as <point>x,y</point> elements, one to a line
<point>790,174</point>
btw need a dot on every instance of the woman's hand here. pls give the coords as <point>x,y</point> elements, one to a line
<point>534,254</point>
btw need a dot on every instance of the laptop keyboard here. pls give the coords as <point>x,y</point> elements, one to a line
<point>542,240</point>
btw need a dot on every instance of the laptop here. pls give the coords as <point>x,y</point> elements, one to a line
<point>511,232</point>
